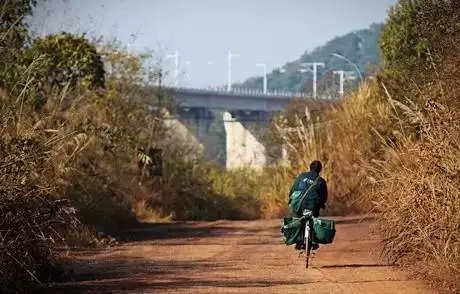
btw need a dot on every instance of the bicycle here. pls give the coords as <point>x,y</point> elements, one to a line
<point>307,216</point>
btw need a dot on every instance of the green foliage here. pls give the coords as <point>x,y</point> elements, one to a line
<point>13,35</point>
<point>66,58</point>
<point>401,47</point>
<point>200,191</point>
<point>418,37</point>
<point>13,29</point>
<point>360,47</point>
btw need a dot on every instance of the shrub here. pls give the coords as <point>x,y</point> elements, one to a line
<point>417,193</point>
<point>34,219</point>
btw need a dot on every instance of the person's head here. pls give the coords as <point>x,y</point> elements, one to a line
<point>316,166</point>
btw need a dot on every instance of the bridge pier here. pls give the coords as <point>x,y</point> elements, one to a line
<point>243,148</point>
<point>230,128</point>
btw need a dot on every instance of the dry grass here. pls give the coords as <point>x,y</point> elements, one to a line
<point>35,160</point>
<point>300,135</point>
<point>344,138</point>
<point>354,134</point>
<point>417,192</point>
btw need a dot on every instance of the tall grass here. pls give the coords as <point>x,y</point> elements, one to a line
<point>356,133</point>
<point>344,137</point>
<point>417,193</point>
<point>36,159</point>
<point>298,133</point>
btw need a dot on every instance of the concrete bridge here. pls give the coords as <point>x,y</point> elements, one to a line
<point>230,128</point>
<point>237,99</point>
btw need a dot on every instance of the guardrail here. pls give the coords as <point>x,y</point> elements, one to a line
<point>243,91</point>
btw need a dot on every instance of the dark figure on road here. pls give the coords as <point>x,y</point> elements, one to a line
<point>317,196</point>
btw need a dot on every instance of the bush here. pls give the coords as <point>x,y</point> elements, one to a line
<point>417,45</point>
<point>75,155</point>
<point>416,190</point>
<point>66,60</point>
<point>194,190</point>
<point>417,193</point>
<point>34,220</point>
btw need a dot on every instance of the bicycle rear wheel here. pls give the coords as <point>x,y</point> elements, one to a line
<point>307,243</point>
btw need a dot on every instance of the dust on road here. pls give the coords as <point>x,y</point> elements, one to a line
<point>238,257</point>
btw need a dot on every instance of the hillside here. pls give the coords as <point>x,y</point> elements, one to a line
<point>360,47</point>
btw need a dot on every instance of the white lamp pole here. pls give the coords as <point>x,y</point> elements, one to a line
<point>175,56</point>
<point>229,72</point>
<point>315,70</point>
<point>344,75</point>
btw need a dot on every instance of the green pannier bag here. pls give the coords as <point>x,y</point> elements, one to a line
<point>323,230</point>
<point>292,230</point>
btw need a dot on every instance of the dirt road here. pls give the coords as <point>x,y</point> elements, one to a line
<point>237,257</point>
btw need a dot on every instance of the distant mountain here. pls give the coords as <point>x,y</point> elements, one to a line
<point>360,47</point>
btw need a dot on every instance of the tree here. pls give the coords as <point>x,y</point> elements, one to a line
<point>13,35</point>
<point>417,34</point>
<point>66,58</point>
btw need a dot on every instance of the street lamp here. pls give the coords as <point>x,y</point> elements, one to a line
<point>342,76</point>
<point>315,69</point>
<point>175,56</point>
<point>229,73</point>
<point>264,68</point>
<point>350,62</point>
<point>185,73</point>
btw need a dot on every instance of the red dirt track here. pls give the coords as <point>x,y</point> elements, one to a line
<point>237,257</point>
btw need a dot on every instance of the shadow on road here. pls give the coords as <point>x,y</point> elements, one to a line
<point>164,231</point>
<point>118,273</point>
<point>353,265</point>
<point>139,285</point>
<point>138,274</point>
<point>353,220</point>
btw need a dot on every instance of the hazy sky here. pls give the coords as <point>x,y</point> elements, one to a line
<point>260,31</point>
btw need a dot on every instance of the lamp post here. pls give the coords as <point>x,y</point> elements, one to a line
<point>185,73</point>
<point>350,62</point>
<point>264,68</point>
<point>229,72</point>
<point>175,56</point>
<point>343,75</point>
<point>315,70</point>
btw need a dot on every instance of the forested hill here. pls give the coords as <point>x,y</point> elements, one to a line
<point>361,47</point>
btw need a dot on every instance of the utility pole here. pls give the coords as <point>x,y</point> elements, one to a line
<point>315,70</point>
<point>342,76</point>
<point>229,73</point>
<point>175,56</point>
<point>264,67</point>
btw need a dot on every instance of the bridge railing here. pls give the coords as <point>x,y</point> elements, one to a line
<point>244,91</point>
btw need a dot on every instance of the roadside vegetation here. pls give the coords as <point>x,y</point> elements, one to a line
<point>78,125</point>
<point>393,146</point>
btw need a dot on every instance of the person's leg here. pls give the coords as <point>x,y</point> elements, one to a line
<point>301,245</point>
<point>315,245</point>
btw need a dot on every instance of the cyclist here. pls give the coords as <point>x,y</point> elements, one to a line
<point>317,196</point>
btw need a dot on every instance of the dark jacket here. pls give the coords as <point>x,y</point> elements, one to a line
<point>302,182</point>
